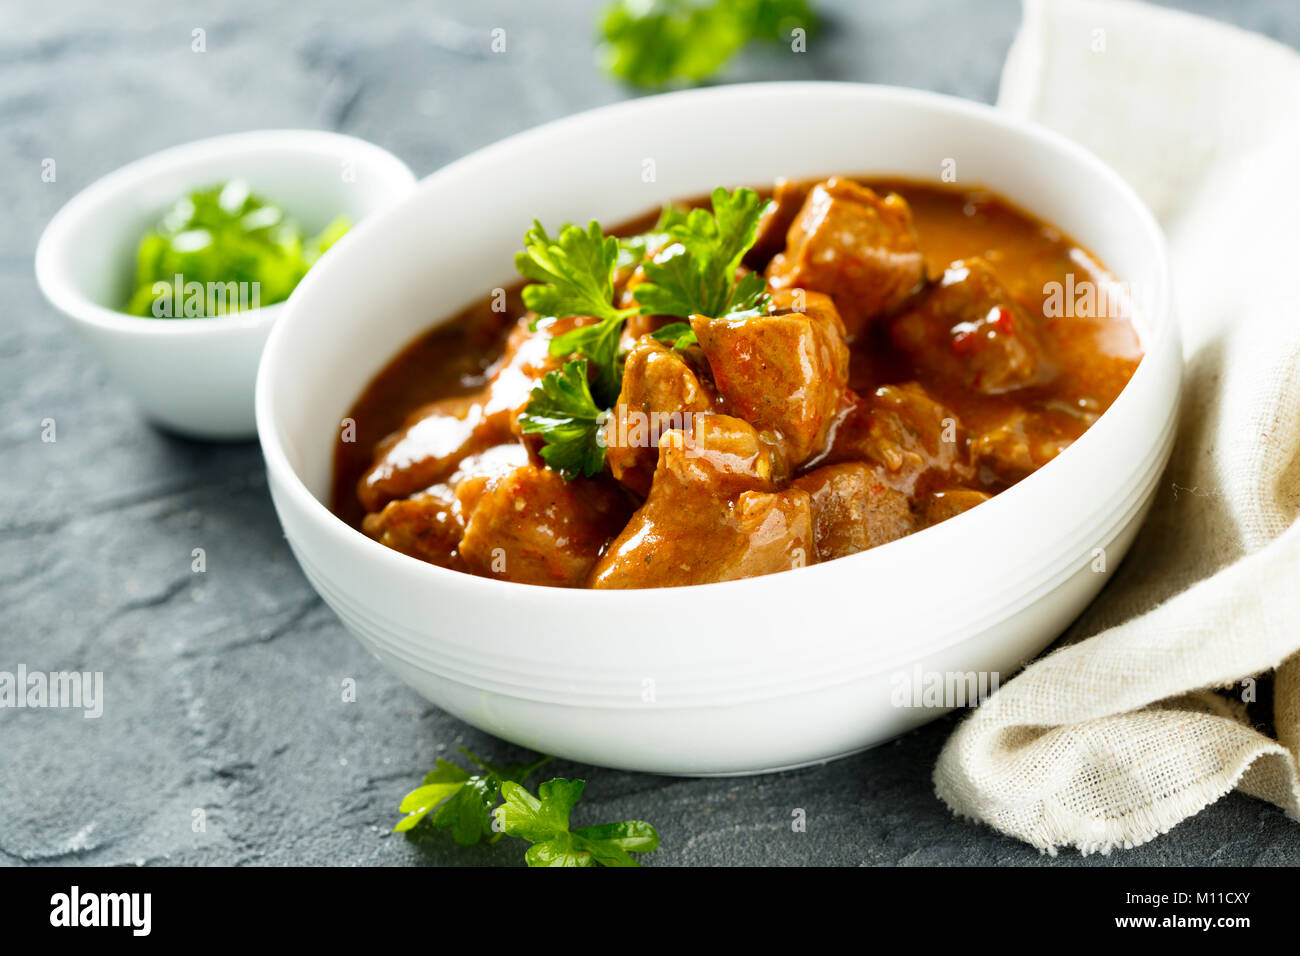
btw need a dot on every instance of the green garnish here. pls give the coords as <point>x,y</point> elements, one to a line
<point>453,799</point>
<point>633,250</point>
<point>574,275</point>
<point>543,821</point>
<point>694,272</point>
<point>223,250</point>
<point>563,411</point>
<point>652,43</point>
<point>677,334</point>
<point>697,274</point>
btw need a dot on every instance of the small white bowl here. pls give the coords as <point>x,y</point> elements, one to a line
<point>196,376</point>
<point>742,676</point>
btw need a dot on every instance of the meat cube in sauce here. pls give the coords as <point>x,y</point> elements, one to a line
<point>949,502</point>
<point>854,508</point>
<point>427,526</point>
<point>788,197</point>
<point>856,247</point>
<point>533,527</point>
<point>1019,444</point>
<point>428,449</point>
<point>916,440</point>
<point>713,514</point>
<point>785,372</point>
<point>437,437</point>
<point>659,388</point>
<point>968,329</point>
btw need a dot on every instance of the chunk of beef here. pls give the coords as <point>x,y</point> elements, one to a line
<point>427,450</point>
<point>712,514</point>
<point>785,372</point>
<point>430,524</point>
<point>533,527</point>
<point>853,509</point>
<point>437,437</point>
<point>859,249</point>
<point>427,526</point>
<point>1018,445</point>
<point>788,197</point>
<point>916,440</point>
<point>949,502</point>
<point>720,453</point>
<point>661,391</point>
<point>475,472</point>
<point>967,328</point>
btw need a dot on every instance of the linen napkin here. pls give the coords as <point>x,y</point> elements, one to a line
<point>1140,719</point>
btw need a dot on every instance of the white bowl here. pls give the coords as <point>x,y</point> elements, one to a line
<point>742,676</point>
<point>196,376</point>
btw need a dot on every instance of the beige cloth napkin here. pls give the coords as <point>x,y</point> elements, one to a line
<point>1115,737</point>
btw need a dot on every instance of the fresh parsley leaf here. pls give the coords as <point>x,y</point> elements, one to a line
<point>750,295</point>
<point>563,411</point>
<point>599,344</point>
<point>445,780</point>
<point>696,275</point>
<point>453,799</point>
<point>632,250</point>
<point>773,20</point>
<point>572,274</point>
<point>543,821</point>
<point>677,334</point>
<point>652,43</point>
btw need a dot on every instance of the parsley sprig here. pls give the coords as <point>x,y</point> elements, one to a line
<point>543,821</point>
<point>679,335</point>
<point>452,798</point>
<point>693,272</point>
<point>654,43</point>
<point>697,274</point>
<point>563,411</point>
<point>573,275</point>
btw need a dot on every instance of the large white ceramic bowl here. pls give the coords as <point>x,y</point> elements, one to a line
<point>196,376</point>
<point>742,676</point>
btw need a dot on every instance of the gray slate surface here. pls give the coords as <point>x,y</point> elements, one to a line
<point>222,687</point>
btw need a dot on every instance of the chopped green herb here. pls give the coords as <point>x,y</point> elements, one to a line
<point>543,821</point>
<point>632,250</point>
<point>652,43</point>
<point>564,413</point>
<point>453,799</point>
<point>223,250</point>
<point>573,275</point>
<point>599,344</point>
<point>677,334</point>
<point>697,274</point>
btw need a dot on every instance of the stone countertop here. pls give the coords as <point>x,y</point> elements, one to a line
<point>222,688</point>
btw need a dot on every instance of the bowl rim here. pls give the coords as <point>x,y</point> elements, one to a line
<point>285,480</point>
<point>65,296</point>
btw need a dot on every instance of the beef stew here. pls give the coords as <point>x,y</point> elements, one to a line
<point>901,367</point>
